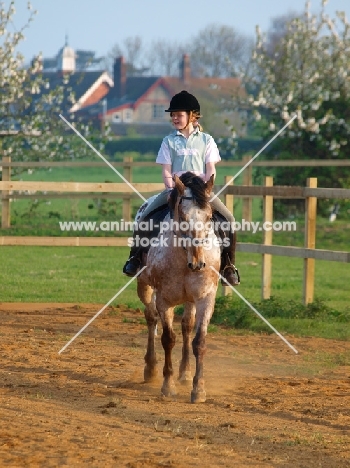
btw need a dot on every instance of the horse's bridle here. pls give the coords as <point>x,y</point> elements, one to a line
<point>179,233</point>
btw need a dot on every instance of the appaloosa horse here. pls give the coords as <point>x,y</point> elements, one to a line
<point>178,271</point>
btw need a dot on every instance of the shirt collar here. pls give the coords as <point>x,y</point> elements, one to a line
<point>195,132</point>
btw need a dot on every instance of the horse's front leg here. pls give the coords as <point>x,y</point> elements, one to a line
<point>146,295</point>
<point>187,325</point>
<point>204,311</point>
<point>166,314</point>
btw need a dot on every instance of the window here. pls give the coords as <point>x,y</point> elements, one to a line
<point>117,118</point>
<point>127,115</point>
<point>158,111</point>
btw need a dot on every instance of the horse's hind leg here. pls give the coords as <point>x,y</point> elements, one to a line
<point>187,324</point>
<point>146,295</point>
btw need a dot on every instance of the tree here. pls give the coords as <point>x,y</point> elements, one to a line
<point>30,127</point>
<point>219,51</point>
<point>132,50</point>
<point>278,29</point>
<point>86,59</point>
<point>308,75</point>
<point>164,57</point>
<point>215,51</point>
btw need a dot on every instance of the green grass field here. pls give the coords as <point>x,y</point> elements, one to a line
<point>102,174</point>
<point>93,274</point>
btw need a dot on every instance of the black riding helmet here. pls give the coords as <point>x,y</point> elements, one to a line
<point>184,101</point>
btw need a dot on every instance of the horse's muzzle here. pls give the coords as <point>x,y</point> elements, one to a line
<point>196,266</point>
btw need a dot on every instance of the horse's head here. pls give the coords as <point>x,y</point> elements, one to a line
<point>189,202</point>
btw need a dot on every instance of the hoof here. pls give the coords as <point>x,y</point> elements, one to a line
<point>150,374</point>
<point>168,391</point>
<point>198,397</point>
<point>185,377</point>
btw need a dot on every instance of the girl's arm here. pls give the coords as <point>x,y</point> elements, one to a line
<point>167,177</point>
<point>209,171</point>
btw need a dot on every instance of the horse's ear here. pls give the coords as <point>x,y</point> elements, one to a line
<point>209,185</point>
<point>179,185</point>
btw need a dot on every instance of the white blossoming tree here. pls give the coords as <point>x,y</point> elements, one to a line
<point>30,127</point>
<point>307,73</point>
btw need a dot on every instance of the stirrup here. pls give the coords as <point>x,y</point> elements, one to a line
<point>131,266</point>
<point>232,275</point>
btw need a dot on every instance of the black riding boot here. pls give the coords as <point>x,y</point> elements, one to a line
<point>227,267</point>
<point>133,263</point>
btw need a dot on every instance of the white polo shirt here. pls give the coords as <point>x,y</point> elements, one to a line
<point>188,154</point>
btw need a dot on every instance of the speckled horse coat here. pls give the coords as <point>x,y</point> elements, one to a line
<point>182,275</point>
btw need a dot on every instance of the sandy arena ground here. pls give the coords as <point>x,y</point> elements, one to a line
<point>266,406</point>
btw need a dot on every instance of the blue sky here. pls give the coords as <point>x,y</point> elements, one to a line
<point>98,25</point>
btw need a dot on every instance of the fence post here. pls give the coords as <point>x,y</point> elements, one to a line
<point>127,173</point>
<point>5,202</point>
<point>228,198</point>
<point>229,202</point>
<point>247,180</point>
<point>309,243</point>
<point>267,240</point>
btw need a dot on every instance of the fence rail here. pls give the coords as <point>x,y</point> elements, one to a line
<point>81,187</point>
<point>279,250</point>
<point>288,192</point>
<point>225,163</point>
<point>123,188</point>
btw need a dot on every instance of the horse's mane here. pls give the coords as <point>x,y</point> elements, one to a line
<point>197,186</point>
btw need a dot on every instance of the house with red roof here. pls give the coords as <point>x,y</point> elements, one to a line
<point>135,105</point>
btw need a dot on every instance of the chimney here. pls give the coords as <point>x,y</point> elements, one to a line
<point>119,75</point>
<point>185,69</point>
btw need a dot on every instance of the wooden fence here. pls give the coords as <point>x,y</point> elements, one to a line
<point>126,167</point>
<point>268,192</point>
